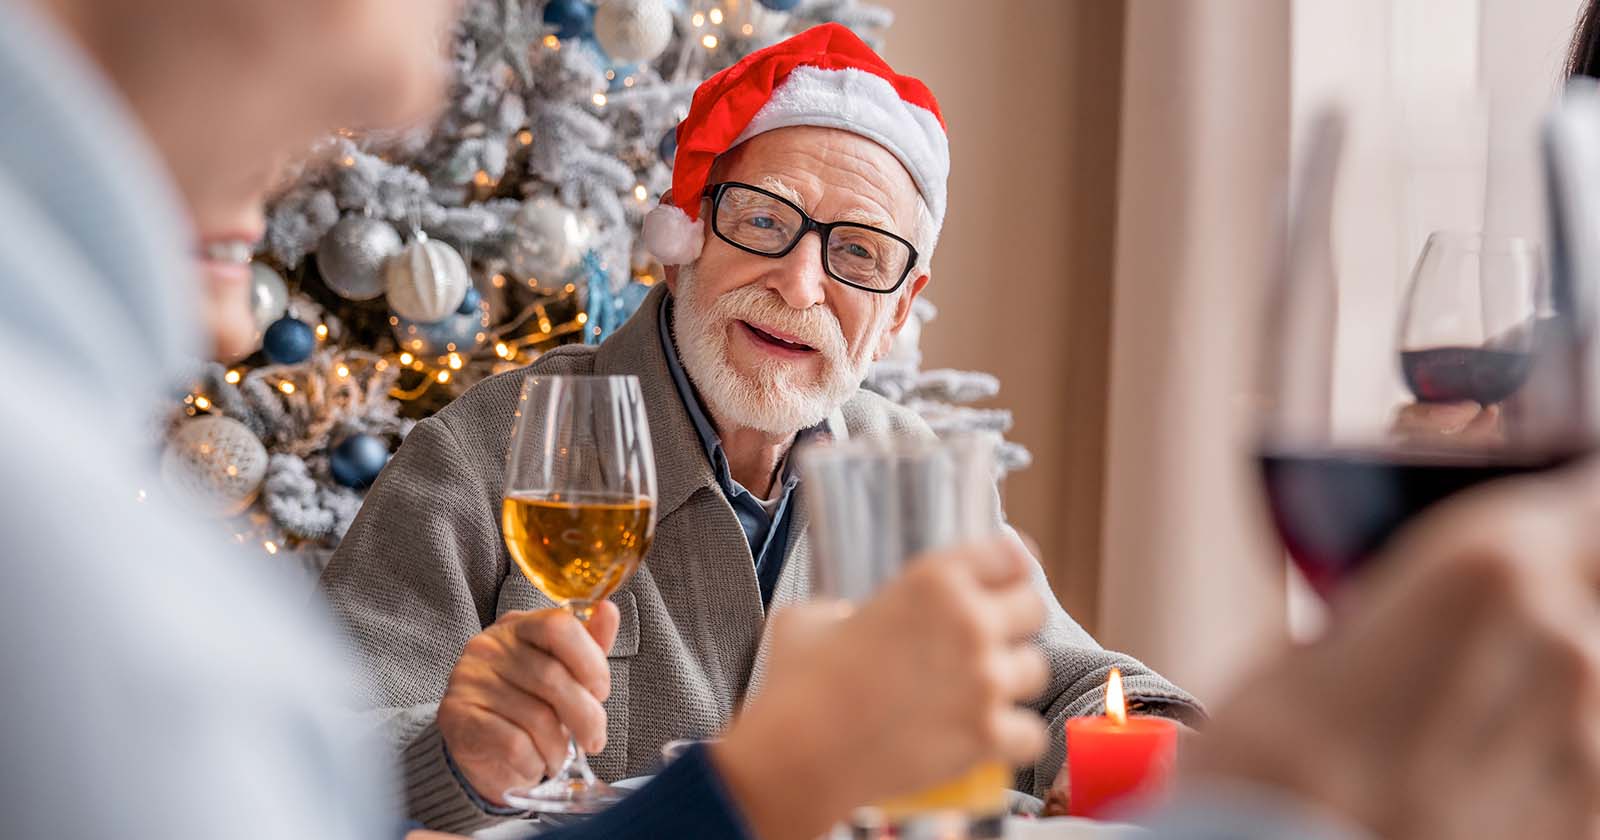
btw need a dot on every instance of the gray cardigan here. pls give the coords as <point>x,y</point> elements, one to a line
<point>423,569</point>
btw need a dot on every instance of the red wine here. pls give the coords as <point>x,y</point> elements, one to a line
<point>1464,374</point>
<point>1335,509</point>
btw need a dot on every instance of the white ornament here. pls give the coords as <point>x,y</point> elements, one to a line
<point>215,463</point>
<point>427,280</point>
<point>633,31</point>
<point>352,255</point>
<point>550,240</point>
<point>269,296</point>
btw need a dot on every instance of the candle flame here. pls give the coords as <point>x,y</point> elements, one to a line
<point>1116,706</point>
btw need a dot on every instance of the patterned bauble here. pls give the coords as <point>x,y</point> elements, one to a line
<point>550,239</point>
<point>352,256</point>
<point>633,30</point>
<point>215,463</point>
<point>269,296</point>
<point>289,341</point>
<point>357,460</point>
<point>426,280</point>
<point>575,18</point>
<point>461,332</point>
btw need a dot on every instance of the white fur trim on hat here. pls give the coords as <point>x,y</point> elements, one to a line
<point>865,104</point>
<point>673,237</point>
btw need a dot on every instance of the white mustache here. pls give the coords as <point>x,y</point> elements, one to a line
<point>816,326</point>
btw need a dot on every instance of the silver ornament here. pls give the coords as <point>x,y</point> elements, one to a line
<point>352,254</point>
<point>633,31</point>
<point>426,281</point>
<point>549,241</point>
<point>269,296</point>
<point>215,463</point>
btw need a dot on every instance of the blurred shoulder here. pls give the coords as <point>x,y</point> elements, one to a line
<point>873,416</point>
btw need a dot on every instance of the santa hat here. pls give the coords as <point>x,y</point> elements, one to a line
<point>825,76</point>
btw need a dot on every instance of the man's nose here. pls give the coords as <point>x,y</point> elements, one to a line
<point>798,276</point>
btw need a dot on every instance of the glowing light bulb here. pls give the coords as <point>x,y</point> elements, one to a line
<point>710,42</point>
<point>525,137</point>
<point>343,371</point>
<point>202,403</point>
<point>406,358</point>
<point>716,16</point>
<point>322,331</point>
<point>583,317</point>
<point>640,192</point>
<point>444,376</point>
<point>552,42</point>
<point>698,20</point>
<point>501,350</point>
<point>600,100</point>
<point>270,546</point>
<point>455,362</point>
<point>286,387</point>
<point>232,377</point>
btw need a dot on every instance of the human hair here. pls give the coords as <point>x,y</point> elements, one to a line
<point>1583,56</point>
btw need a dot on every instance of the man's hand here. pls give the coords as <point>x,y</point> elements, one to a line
<point>1459,697</point>
<point>911,689</point>
<point>519,688</point>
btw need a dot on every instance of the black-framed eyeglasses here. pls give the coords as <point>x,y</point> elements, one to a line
<point>762,223</point>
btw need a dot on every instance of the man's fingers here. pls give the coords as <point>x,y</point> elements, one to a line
<point>561,635</point>
<point>998,562</point>
<point>1018,610</point>
<point>1024,673</point>
<point>536,721</point>
<point>602,625</point>
<point>1020,735</point>
<point>538,677</point>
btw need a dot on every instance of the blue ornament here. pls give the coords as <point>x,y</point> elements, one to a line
<point>668,146</point>
<point>619,76</point>
<point>607,310</point>
<point>780,5</point>
<point>289,341</point>
<point>458,332</point>
<point>357,460</point>
<point>470,303</point>
<point>574,17</point>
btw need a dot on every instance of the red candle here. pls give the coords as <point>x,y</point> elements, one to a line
<point>1115,757</point>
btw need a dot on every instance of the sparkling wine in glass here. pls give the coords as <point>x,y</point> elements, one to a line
<point>578,515</point>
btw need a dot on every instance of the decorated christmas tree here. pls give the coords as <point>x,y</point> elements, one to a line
<point>398,269</point>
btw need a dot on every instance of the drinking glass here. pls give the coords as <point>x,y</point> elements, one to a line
<point>875,507</point>
<point>578,515</point>
<point>1344,468</point>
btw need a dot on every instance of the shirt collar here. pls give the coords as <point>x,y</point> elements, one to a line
<point>709,439</point>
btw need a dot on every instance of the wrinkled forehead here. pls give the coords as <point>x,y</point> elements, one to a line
<point>832,174</point>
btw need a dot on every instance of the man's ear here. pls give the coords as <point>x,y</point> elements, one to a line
<point>902,313</point>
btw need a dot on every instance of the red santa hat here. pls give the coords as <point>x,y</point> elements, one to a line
<point>824,76</point>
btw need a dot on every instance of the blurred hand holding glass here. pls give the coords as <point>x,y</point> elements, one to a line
<point>578,516</point>
<point>1343,470</point>
<point>875,507</point>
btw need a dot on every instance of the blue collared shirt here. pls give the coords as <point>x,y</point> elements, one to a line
<point>768,535</point>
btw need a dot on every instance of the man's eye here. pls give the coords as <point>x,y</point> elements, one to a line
<point>764,222</point>
<point>859,251</point>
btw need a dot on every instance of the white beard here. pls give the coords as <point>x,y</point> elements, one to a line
<point>778,397</point>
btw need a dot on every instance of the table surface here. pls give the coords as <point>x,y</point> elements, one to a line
<point>1053,828</point>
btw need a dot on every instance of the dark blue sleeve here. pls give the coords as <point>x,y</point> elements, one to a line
<point>687,799</point>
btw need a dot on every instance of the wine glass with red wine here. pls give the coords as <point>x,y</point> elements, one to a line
<point>1478,327</point>
<point>1467,331</point>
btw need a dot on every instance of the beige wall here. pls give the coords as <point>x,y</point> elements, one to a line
<point>1031,93</point>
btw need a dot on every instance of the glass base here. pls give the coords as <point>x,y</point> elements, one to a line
<point>566,796</point>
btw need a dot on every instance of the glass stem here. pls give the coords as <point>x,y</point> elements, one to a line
<point>577,765</point>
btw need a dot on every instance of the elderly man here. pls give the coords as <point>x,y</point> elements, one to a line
<point>808,192</point>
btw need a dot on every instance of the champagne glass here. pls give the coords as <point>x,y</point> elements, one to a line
<point>1343,471</point>
<point>875,507</point>
<point>1467,331</point>
<point>578,515</point>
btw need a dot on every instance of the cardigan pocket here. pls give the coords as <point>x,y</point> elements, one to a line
<point>612,763</point>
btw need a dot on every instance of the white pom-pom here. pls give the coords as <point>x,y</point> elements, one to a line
<point>673,237</point>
